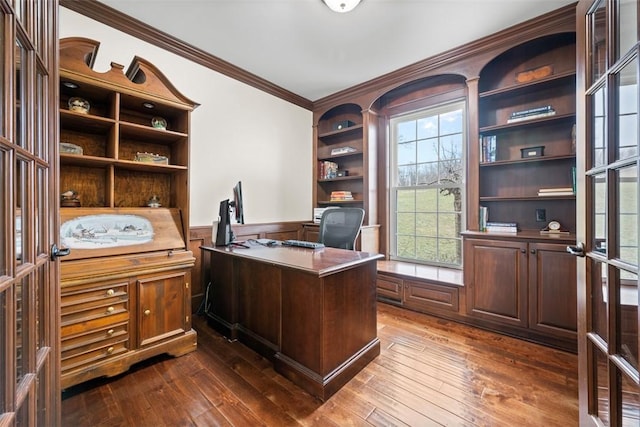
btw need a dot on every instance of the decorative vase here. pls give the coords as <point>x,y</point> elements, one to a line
<point>159,123</point>
<point>79,105</point>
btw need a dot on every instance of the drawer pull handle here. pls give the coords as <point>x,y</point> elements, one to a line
<point>110,292</point>
<point>110,350</point>
<point>147,312</point>
<point>110,310</point>
<point>110,332</point>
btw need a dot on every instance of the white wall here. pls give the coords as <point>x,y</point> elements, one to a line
<point>238,133</point>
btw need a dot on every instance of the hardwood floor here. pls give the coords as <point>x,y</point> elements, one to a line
<point>430,372</point>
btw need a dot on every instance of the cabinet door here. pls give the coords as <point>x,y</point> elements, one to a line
<point>430,297</point>
<point>162,307</point>
<point>389,289</point>
<point>496,278</point>
<point>552,289</point>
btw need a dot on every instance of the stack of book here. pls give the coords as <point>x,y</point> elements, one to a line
<point>556,191</point>
<point>342,150</point>
<point>327,170</point>
<point>532,113</point>
<point>339,196</point>
<point>487,148</point>
<point>502,227</point>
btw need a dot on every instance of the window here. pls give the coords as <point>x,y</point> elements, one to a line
<point>427,185</point>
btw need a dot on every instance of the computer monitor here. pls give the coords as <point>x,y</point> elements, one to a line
<point>224,234</point>
<point>238,205</point>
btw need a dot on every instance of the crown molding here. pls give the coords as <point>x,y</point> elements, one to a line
<point>100,12</point>
<point>456,60</point>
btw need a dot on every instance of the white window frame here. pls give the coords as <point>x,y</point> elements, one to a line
<point>459,104</point>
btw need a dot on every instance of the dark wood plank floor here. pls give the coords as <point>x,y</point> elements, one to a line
<point>430,372</point>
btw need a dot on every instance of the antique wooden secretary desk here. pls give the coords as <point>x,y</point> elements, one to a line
<point>124,177</point>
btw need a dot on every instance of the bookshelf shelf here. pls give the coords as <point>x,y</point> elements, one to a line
<point>524,198</point>
<point>343,178</point>
<point>554,79</point>
<point>336,134</point>
<point>339,202</point>
<point>531,160</point>
<point>527,123</point>
<point>338,156</point>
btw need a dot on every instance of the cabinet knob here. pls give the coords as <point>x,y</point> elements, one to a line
<point>110,292</point>
<point>147,312</point>
<point>524,251</point>
<point>110,350</point>
<point>110,332</point>
<point>533,251</point>
<point>110,310</point>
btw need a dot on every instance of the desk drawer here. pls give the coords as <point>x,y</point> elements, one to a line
<point>75,303</point>
<point>87,294</point>
<point>110,333</point>
<point>93,320</point>
<point>90,354</point>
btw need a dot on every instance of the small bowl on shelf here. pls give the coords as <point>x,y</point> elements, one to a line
<point>79,105</point>
<point>69,148</point>
<point>159,123</point>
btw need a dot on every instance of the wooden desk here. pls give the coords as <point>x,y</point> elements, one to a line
<point>311,312</point>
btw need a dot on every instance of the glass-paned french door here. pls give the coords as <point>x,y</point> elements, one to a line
<point>608,310</point>
<point>29,360</point>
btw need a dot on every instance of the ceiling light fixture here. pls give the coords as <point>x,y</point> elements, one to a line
<point>341,5</point>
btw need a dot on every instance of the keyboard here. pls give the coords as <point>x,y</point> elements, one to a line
<point>302,244</point>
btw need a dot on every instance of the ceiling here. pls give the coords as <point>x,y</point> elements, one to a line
<point>305,48</point>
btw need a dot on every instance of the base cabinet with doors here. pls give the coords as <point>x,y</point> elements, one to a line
<point>523,283</point>
<point>128,309</point>
<point>124,169</point>
<point>419,295</point>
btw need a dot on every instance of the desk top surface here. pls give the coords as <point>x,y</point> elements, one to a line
<point>322,261</point>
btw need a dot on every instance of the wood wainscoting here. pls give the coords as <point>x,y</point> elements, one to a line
<point>201,236</point>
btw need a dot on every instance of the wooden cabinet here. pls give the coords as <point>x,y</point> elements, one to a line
<point>389,289</point>
<point>122,311</point>
<point>496,280</point>
<point>523,283</point>
<point>527,137</point>
<point>341,136</point>
<point>552,290</point>
<point>162,312</point>
<point>124,169</point>
<point>419,295</point>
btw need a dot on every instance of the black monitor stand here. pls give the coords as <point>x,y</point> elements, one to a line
<point>224,235</point>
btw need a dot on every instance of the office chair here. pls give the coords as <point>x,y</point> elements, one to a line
<point>340,227</point>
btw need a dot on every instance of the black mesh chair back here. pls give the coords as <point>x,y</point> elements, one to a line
<point>340,227</point>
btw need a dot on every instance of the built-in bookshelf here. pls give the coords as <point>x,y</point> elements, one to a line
<point>340,154</point>
<point>527,134</point>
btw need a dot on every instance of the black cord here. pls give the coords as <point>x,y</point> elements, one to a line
<point>268,244</point>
